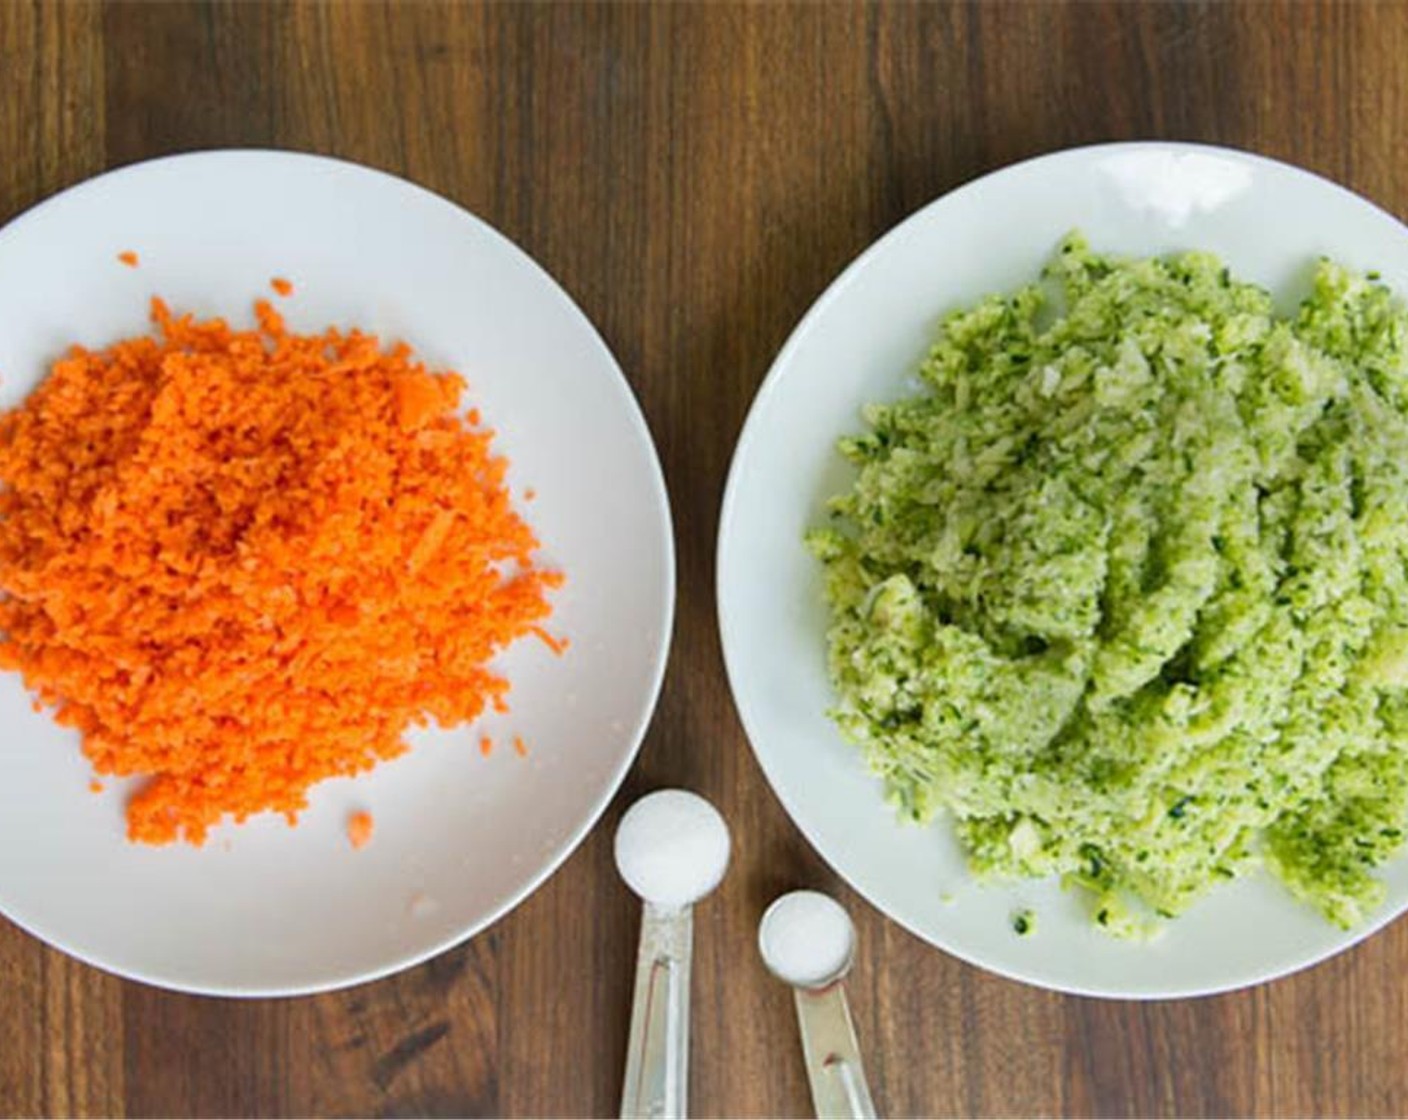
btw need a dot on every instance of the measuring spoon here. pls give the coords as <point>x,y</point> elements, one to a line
<point>808,941</point>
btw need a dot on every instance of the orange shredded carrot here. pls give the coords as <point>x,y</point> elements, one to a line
<point>529,494</point>
<point>359,829</point>
<point>129,258</point>
<point>557,645</point>
<point>240,562</point>
<point>282,286</point>
<point>95,786</point>
<point>486,746</point>
<point>520,747</point>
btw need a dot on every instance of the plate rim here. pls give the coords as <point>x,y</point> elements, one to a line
<point>833,291</point>
<point>667,608</point>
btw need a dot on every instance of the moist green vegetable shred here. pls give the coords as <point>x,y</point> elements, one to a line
<point>1123,588</point>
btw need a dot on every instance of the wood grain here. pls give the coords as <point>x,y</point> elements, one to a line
<point>695,175</point>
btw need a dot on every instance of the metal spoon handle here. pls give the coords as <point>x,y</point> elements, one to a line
<point>657,1056</point>
<point>839,1089</point>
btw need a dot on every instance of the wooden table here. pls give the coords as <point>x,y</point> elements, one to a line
<point>694,176</point>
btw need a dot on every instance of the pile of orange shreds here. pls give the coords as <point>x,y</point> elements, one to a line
<point>239,562</point>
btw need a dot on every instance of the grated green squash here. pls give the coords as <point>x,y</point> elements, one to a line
<point>1123,587</point>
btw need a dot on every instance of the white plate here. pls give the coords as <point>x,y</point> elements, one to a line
<point>862,341</point>
<point>263,909</point>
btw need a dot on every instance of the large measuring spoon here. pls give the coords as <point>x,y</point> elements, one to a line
<point>807,940</point>
<point>672,849</point>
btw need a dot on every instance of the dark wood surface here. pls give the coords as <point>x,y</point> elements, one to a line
<point>694,176</point>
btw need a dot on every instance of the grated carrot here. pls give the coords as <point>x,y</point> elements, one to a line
<point>520,747</point>
<point>486,746</point>
<point>359,829</point>
<point>282,286</point>
<point>95,786</point>
<point>240,562</point>
<point>129,258</point>
<point>557,645</point>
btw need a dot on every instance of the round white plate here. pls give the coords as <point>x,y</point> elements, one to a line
<point>263,909</point>
<point>863,341</point>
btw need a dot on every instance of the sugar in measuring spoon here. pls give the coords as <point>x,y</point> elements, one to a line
<point>672,849</point>
<point>807,940</point>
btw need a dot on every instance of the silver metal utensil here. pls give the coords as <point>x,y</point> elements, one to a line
<point>657,1056</point>
<point>672,849</point>
<point>808,941</point>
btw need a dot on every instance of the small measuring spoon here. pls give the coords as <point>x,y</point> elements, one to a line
<point>672,849</point>
<point>808,941</point>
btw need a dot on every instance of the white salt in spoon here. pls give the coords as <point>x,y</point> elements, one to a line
<point>807,940</point>
<point>672,849</point>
